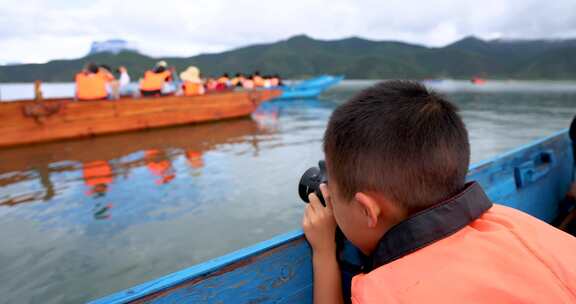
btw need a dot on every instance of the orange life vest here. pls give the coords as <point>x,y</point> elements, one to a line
<point>160,166</point>
<point>503,256</point>
<point>258,81</point>
<point>154,81</point>
<point>90,86</point>
<point>192,88</point>
<point>195,159</point>
<point>97,172</point>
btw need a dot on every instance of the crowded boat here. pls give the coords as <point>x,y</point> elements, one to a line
<point>99,82</point>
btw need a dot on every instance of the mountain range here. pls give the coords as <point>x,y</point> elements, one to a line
<point>356,58</point>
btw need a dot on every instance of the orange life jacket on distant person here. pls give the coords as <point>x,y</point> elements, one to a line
<point>97,172</point>
<point>467,250</point>
<point>91,86</point>
<point>258,81</point>
<point>154,81</point>
<point>195,159</point>
<point>160,166</point>
<point>192,88</point>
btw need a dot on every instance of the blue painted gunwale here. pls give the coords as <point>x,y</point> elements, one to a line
<point>279,270</point>
<point>320,82</point>
<point>310,88</point>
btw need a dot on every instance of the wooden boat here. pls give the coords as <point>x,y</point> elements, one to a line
<point>29,121</point>
<point>532,178</point>
<point>310,88</point>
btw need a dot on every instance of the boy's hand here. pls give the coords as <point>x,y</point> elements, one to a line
<point>319,224</point>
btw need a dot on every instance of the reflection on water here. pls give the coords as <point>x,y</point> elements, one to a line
<point>104,168</point>
<point>81,219</point>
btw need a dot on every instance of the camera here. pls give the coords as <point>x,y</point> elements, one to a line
<point>311,180</point>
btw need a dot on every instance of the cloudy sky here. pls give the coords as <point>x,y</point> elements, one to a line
<point>41,30</point>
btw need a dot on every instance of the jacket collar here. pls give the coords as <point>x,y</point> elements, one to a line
<point>431,225</point>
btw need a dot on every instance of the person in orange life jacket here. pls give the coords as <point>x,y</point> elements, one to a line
<point>91,83</point>
<point>192,85</point>
<point>154,80</point>
<point>397,156</point>
<point>195,159</point>
<point>258,80</point>
<point>106,72</point>
<point>112,85</point>
<point>98,175</point>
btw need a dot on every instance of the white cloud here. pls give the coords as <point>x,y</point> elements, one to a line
<point>39,30</point>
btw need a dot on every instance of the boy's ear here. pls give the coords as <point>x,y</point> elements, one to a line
<point>370,208</point>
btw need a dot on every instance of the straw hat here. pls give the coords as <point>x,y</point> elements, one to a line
<point>191,74</point>
<point>161,63</point>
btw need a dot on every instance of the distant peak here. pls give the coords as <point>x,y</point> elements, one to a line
<point>301,37</point>
<point>470,39</point>
<point>113,46</point>
<point>354,38</point>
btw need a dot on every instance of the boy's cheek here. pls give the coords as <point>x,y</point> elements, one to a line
<point>341,219</point>
<point>348,223</point>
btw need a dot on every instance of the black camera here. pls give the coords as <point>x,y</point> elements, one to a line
<point>311,180</point>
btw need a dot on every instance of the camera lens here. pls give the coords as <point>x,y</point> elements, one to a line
<point>310,182</point>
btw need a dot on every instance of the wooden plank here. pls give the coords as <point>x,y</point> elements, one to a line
<point>109,125</point>
<point>88,110</point>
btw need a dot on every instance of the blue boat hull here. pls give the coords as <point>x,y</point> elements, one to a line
<point>311,88</point>
<point>532,178</point>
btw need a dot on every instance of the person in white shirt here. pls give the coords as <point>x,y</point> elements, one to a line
<point>124,82</point>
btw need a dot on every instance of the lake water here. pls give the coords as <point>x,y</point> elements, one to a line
<point>82,219</point>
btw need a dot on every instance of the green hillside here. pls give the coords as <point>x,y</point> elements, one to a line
<point>302,56</point>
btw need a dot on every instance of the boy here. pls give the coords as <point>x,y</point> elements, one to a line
<point>397,157</point>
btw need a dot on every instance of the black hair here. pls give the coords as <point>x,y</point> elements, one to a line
<point>92,68</point>
<point>401,140</point>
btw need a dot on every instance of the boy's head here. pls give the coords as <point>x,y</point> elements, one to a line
<point>392,150</point>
